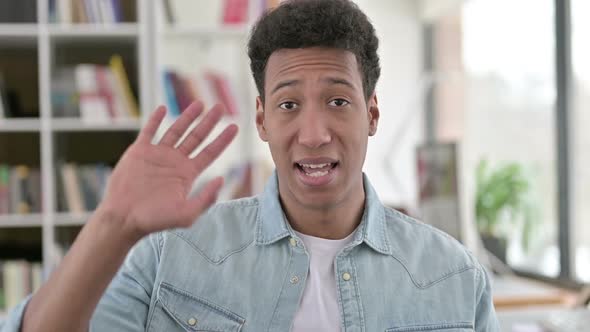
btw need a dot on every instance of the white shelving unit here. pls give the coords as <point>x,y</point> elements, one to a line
<point>46,37</point>
<point>155,42</point>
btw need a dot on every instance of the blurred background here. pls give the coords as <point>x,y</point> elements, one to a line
<point>482,131</point>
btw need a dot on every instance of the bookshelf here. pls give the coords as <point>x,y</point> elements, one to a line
<point>45,136</point>
<point>31,53</point>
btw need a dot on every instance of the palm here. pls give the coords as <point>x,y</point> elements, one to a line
<point>149,186</point>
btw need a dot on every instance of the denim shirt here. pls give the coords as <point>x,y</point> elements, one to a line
<point>241,267</point>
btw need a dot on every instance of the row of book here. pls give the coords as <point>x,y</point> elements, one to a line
<point>18,278</point>
<point>210,87</point>
<point>20,189</point>
<point>81,186</point>
<point>87,11</point>
<point>214,13</point>
<point>93,92</point>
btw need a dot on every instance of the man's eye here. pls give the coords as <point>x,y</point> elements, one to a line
<point>288,105</point>
<point>339,102</point>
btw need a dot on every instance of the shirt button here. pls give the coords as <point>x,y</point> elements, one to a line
<point>192,322</point>
<point>293,242</point>
<point>294,279</point>
<point>346,276</point>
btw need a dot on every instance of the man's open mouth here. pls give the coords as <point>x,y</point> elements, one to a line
<point>316,170</point>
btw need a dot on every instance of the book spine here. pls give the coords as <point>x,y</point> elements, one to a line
<point>116,65</point>
<point>4,187</point>
<point>171,101</point>
<point>104,90</point>
<point>117,11</point>
<point>223,92</point>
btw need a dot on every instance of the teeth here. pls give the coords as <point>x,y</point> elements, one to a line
<point>314,165</point>
<point>317,174</point>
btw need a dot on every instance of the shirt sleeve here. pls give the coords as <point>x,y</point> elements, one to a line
<point>125,304</point>
<point>485,315</point>
<point>14,319</point>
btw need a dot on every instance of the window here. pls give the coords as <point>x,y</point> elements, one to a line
<point>580,137</point>
<point>495,94</point>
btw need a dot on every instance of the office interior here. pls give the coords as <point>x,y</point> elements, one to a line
<point>482,130</point>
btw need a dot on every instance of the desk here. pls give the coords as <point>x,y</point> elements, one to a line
<point>511,292</point>
<point>521,303</point>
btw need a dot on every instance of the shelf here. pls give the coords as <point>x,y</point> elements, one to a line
<point>20,125</point>
<point>76,124</point>
<point>77,31</point>
<point>20,220</point>
<point>18,30</point>
<point>71,219</point>
<point>205,33</point>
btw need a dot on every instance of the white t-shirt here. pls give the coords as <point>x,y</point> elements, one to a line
<point>319,310</point>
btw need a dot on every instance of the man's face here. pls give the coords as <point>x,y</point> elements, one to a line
<point>317,122</point>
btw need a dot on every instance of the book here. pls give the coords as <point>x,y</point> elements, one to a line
<point>235,11</point>
<point>85,11</point>
<point>72,190</point>
<point>107,11</point>
<point>181,92</point>
<point>34,189</point>
<point>14,191</point>
<point>104,89</point>
<point>82,186</point>
<point>117,10</point>
<point>3,110</point>
<point>223,91</point>
<point>91,92</point>
<point>170,94</point>
<point>4,189</point>
<point>211,88</point>
<point>93,106</point>
<point>18,278</point>
<point>116,65</point>
<point>64,94</point>
<point>64,11</point>
<point>24,202</point>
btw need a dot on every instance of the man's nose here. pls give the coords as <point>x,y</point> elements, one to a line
<point>313,129</point>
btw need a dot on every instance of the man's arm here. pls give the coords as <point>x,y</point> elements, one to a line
<point>485,315</point>
<point>125,304</point>
<point>147,193</point>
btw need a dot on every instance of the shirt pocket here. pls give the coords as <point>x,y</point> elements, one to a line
<point>441,327</point>
<point>178,310</point>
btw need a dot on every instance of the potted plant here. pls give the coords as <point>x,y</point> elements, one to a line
<point>501,205</point>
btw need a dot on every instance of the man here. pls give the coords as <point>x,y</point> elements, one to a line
<point>316,251</point>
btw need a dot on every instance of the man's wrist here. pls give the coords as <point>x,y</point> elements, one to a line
<point>115,224</point>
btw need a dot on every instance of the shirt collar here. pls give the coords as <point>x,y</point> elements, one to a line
<point>272,224</point>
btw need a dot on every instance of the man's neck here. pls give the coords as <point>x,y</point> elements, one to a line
<point>335,222</point>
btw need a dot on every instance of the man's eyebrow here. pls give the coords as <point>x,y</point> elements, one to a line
<point>335,80</point>
<point>284,84</point>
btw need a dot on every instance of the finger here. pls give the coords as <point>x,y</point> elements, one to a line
<point>201,131</point>
<point>175,132</point>
<point>214,149</point>
<point>195,206</point>
<point>149,130</point>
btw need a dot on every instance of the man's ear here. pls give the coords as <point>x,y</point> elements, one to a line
<point>260,120</point>
<point>373,114</point>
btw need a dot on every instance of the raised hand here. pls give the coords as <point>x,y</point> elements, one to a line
<point>148,189</point>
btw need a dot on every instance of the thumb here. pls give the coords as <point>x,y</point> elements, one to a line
<point>198,204</point>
